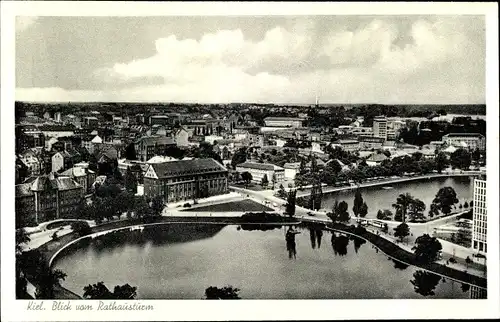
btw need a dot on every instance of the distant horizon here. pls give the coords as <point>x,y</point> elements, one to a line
<point>244,103</point>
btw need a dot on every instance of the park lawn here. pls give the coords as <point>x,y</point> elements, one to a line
<point>242,205</point>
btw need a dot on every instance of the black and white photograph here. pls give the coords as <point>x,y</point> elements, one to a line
<point>281,156</point>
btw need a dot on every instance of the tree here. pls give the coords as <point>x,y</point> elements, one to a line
<point>385,229</point>
<point>281,192</point>
<point>130,153</point>
<point>427,249</point>
<point>441,161</point>
<point>82,228</point>
<point>434,210</point>
<point>476,156</point>
<point>463,237</point>
<point>468,261</point>
<point>239,156</point>
<point>264,181</point>
<point>22,237</point>
<point>424,282</point>
<point>343,214</point>
<point>445,198</point>
<point>402,231</point>
<point>316,195</point>
<point>363,211</point>
<point>461,159</point>
<point>466,205</point>
<point>290,203</point>
<point>416,209</point>
<point>47,280</point>
<point>99,291</point>
<point>358,203</point>
<point>141,207</point>
<point>333,214</point>
<point>402,203</point>
<point>224,293</point>
<point>157,205</point>
<point>130,181</point>
<point>274,180</point>
<point>247,177</point>
<point>385,214</point>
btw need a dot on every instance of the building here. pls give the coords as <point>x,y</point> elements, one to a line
<point>185,180</point>
<point>370,142</point>
<point>60,161</point>
<point>84,177</point>
<point>57,131</point>
<point>471,141</point>
<point>147,147</point>
<point>479,216</point>
<point>90,121</point>
<point>258,170</point>
<point>48,197</point>
<point>380,127</point>
<point>291,170</point>
<point>283,122</point>
<point>158,119</point>
<point>32,161</point>
<point>349,145</point>
<point>181,137</point>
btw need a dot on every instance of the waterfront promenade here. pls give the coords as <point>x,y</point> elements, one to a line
<point>388,181</point>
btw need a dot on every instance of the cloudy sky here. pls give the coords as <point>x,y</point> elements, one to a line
<point>342,59</point>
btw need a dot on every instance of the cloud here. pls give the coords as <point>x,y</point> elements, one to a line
<point>440,61</point>
<point>23,22</point>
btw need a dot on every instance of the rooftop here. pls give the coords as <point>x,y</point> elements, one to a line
<point>259,166</point>
<point>275,118</point>
<point>187,167</point>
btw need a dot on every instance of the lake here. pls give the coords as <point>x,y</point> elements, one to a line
<point>379,198</point>
<point>179,261</point>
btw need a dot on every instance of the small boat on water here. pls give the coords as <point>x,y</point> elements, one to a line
<point>387,188</point>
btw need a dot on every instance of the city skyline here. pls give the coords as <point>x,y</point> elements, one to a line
<point>282,60</point>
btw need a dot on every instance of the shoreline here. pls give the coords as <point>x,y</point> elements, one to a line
<point>388,248</point>
<point>330,189</point>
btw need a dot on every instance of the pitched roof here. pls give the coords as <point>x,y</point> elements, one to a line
<point>23,190</point>
<point>187,167</point>
<point>74,172</point>
<point>47,182</point>
<point>259,166</point>
<point>377,157</point>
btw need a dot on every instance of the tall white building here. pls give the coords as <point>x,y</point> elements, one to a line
<point>380,127</point>
<point>479,216</point>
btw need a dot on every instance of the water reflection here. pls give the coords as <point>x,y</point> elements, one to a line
<point>156,235</point>
<point>290,242</point>
<point>399,265</point>
<point>357,242</point>
<point>312,235</point>
<point>339,244</point>
<point>261,227</point>
<point>425,283</point>
<point>319,235</point>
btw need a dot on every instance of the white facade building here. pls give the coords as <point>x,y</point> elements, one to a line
<point>258,170</point>
<point>380,127</point>
<point>479,216</point>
